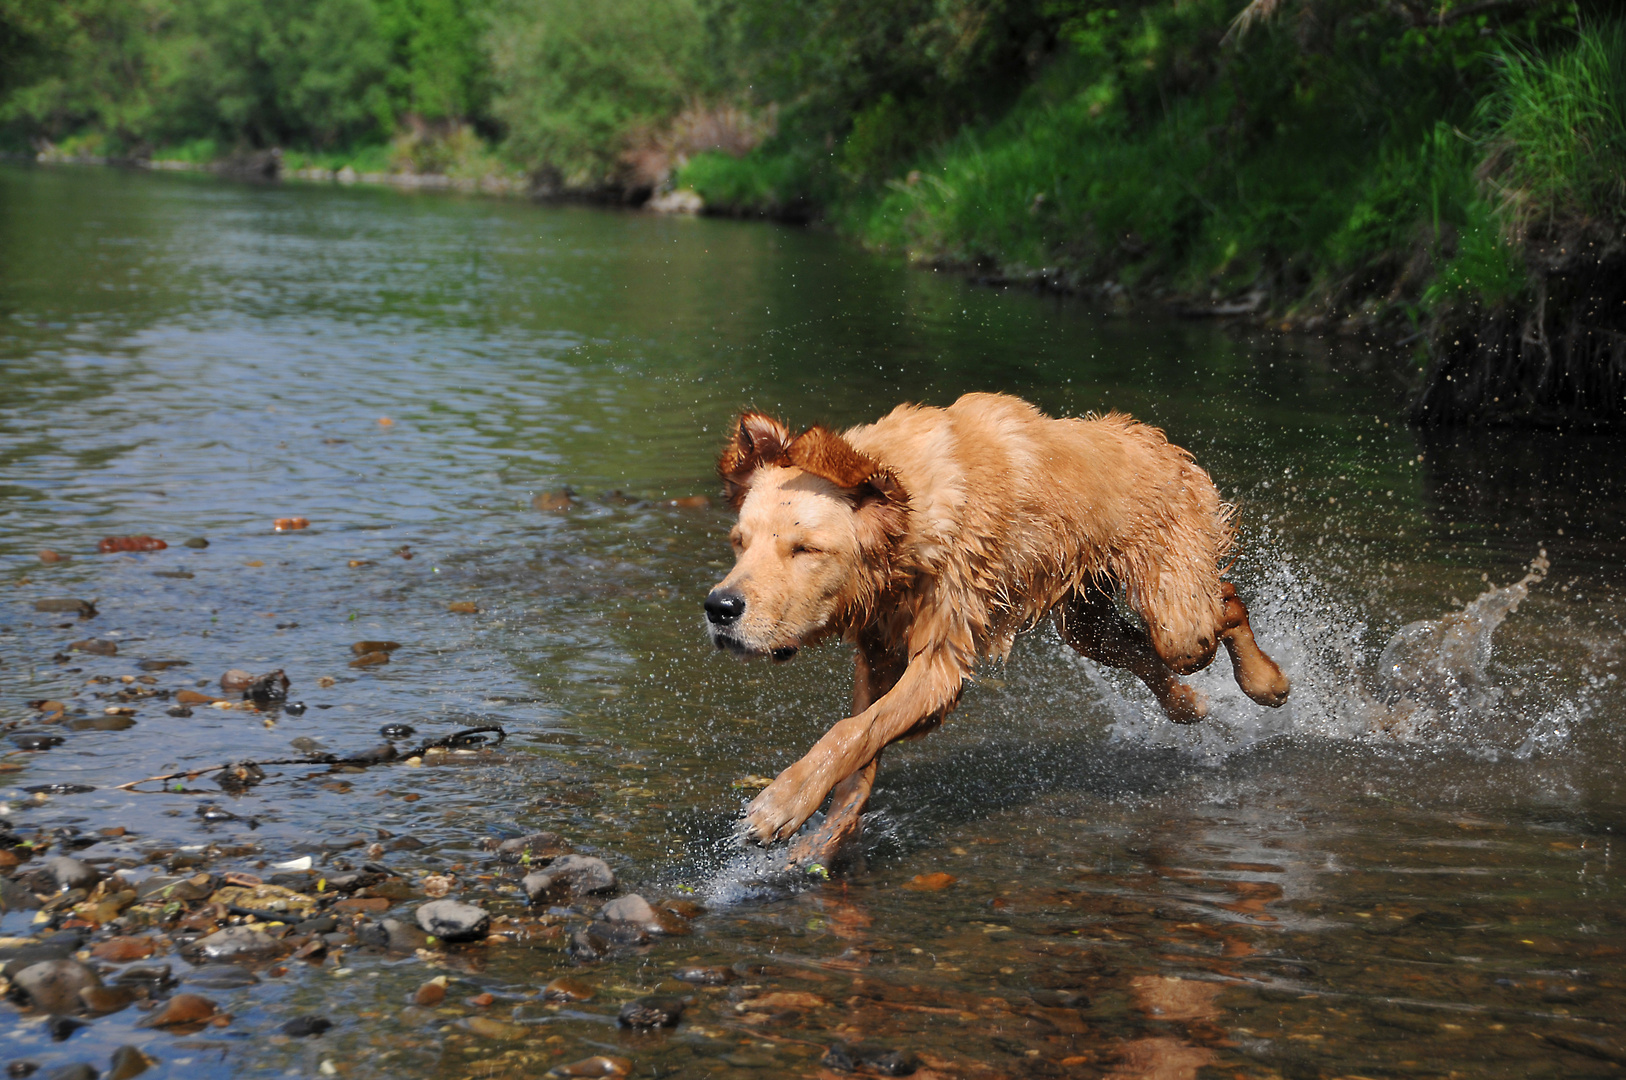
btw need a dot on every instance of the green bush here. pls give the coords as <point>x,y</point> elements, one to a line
<point>575,83</point>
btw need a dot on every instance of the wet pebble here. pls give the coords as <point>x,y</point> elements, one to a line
<point>431,993</point>
<point>33,740</point>
<point>234,943</point>
<point>178,711</point>
<point>539,845</point>
<point>96,647</point>
<point>106,999</point>
<point>603,1065</point>
<point>781,1001</point>
<point>61,1028</point>
<point>128,1062</point>
<point>569,875</point>
<point>22,1068</point>
<point>564,988</point>
<point>155,978</point>
<point>705,976</point>
<point>304,1026</point>
<point>451,920</point>
<point>236,680</point>
<point>163,888</point>
<point>54,985</point>
<point>372,659</point>
<point>84,608</point>
<point>869,1058</point>
<point>403,937</point>
<point>221,977</point>
<point>195,542</point>
<point>397,731</point>
<point>494,1029</point>
<point>70,873</point>
<point>183,1009</point>
<point>76,1071</point>
<point>651,1012</point>
<point>362,648</point>
<point>600,939</point>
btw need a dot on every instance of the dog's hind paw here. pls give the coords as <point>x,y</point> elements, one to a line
<point>1185,704</point>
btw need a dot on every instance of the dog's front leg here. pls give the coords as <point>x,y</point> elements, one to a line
<point>929,687</point>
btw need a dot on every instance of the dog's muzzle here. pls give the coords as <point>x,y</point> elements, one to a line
<point>724,608</point>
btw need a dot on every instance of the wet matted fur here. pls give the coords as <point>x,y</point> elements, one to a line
<point>933,536</point>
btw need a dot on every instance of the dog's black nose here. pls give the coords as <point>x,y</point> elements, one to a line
<point>724,607</point>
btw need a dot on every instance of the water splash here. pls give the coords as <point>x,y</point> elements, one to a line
<point>1431,683</point>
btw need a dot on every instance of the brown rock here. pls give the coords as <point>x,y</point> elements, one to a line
<point>692,502</point>
<point>122,950</point>
<point>54,985</point>
<point>96,647</point>
<point>494,1029</point>
<point>565,988</point>
<point>192,697</point>
<point>183,1009</point>
<point>49,556</point>
<point>430,994</point>
<point>372,904</point>
<point>371,659</point>
<point>781,1000</point>
<point>362,648</point>
<point>236,681</point>
<point>554,502</point>
<point>290,524</point>
<point>106,999</point>
<point>463,607</point>
<point>930,882</point>
<point>8,859</point>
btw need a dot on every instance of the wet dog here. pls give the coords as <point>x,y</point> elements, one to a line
<point>933,536</point>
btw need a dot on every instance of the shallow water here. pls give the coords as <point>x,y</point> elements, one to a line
<point>1377,880</point>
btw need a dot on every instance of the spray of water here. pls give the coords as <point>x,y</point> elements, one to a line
<point>1432,683</point>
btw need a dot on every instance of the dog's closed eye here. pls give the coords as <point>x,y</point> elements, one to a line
<point>803,549</point>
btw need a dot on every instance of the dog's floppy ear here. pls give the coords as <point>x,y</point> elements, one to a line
<point>878,497</point>
<point>758,440</point>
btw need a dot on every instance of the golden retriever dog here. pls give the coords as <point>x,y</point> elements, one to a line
<point>932,537</point>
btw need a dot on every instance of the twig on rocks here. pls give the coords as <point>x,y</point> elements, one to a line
<point>455,739</point>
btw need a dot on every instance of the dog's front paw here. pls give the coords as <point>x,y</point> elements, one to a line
<point>781,808</point>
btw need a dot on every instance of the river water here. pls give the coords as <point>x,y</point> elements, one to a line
<point>1407,871</point>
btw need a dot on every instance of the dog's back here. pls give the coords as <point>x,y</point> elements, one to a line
<point>1012,512</point>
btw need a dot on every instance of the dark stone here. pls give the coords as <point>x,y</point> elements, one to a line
<point>294,708</point>
<point>651,1012</point>
<point>397,731</point>
<point>179,711</point>
<point>221,977</point>
<point>128,1062</point>
<point>569,875</point>
<point>35,740</point>
<point>22,1068</point>
<point>77,1071</point>
<point>195,542</point>
<point>373,935</point>
<point>404,937</point>
<point>1061,999</point>
<point>15,896</point>
<point>451,920</point>
<point>83,608</point>
<point>845,1057</point>
<point>351,880</point>
<point>162,665</point>
<point>323,924</point>
<point>600,939</point>
<point>268,689</point>
<point>304,1026</point>
<point>380,753</point>
<point>60,1027</point>
<point>536,846</point>
<point>160,888</point>
<point>405,843</point>
<point>156,977</point>
<point>96,647</point>
<point>233,943</point>
<point>61,788</point>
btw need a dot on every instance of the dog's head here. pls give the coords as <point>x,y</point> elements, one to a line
<point>817,524</point>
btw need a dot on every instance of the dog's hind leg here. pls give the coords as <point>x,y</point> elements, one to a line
<point>1255,672</point>
<point>874,673</point>
<point>1094,627</point>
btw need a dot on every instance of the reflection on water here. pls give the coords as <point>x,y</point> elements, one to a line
<point>1382,879</point>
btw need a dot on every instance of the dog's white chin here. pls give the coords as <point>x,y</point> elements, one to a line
<point>734,646</point>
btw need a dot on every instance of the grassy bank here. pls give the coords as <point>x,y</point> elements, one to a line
<point>1444,173</point>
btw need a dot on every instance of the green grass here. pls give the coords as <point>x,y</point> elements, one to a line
<point>1558,130</point>
<point>762,182</point>
<point>374,158</point>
